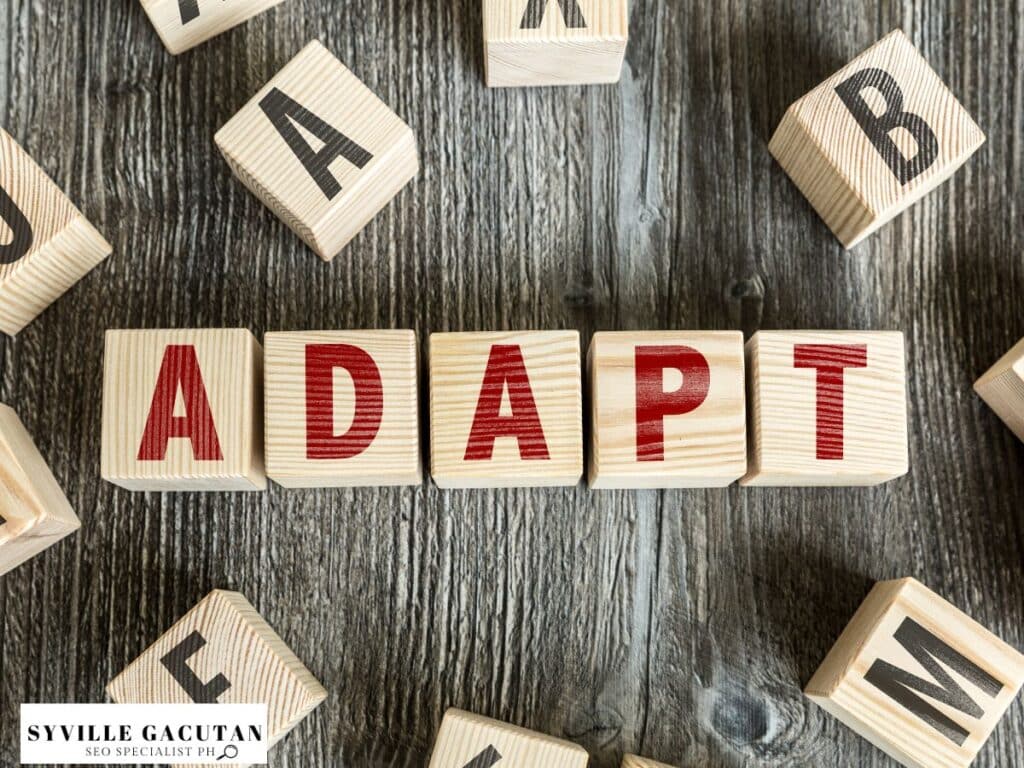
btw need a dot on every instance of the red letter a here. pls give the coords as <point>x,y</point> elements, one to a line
<point>653,403</point>
<point>321,360</point>
<point>830,360</point>
<point>180,370</point>
<point>505,368</point>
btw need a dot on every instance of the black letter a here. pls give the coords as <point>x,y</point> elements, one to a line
<point>879,127</point>
<point>175,662</point>
<point>571,13</point>
<point>900,686</point>
<point>21,230</point>
<point>282,110</point>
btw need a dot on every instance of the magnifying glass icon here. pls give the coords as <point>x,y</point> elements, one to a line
<point>230,752</point>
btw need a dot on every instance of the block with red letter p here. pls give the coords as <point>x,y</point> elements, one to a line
<point>183,411</point>
<point>827,408</point>
<point>506,409</point>
<point>667,409</point>
<point>342,409</point>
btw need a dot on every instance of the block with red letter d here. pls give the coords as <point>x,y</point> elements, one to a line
<point>506,409</point>
<point>342,409</point>
<point>827,408</point>
<point>183,411</point>
<point>667,409</point>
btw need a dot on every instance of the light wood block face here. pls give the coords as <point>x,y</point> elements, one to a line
<point>320,150</point>
<point>183,410</point>
<point>223,652</point>
<point>34,512</point>
<point>506,409</point>
<point>1002,387</point>
<point>342,409</point>
<point>918,678</point>
<point>668,409</point>
<point>470,741</point>
<point>184,24</point>
<point>827,408</point>
<point>554,42</point>
<point>632,761</point>
<point>874,138</point>
<point>46,244</point>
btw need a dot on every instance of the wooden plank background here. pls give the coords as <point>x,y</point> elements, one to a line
<point>679,624</point>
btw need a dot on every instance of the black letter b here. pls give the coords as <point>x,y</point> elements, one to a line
<point>879,127</point>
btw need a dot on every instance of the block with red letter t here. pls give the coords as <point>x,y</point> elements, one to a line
<point>874,138</point>
<point>667,409</point>
<point>183,410</point>
<point>826,408</point>
<point>342,409</point>
<point>320,150</point>
<point>184,24</point>
<point>506,409</point>
<point>918,678</point>
<point>223,652</point>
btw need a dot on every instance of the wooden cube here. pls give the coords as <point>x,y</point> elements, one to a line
<point>342,409</point>
<point>918,678</point>
<point>506,409</point>
<point>554,42</point>
<point>34,512</point>
<point>471,741</point>
<point>632,761</point>
<point>1002,387</point>
<point>46,244</point>
<point>223,652</point>
<point>320,150</point>
<point>874,138</point>
<point>183,411</point>
<point>827,408</point>
<point>184,24</point>
<point>667,409</point>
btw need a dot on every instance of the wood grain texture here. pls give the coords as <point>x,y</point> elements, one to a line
<point>842,686</point>
<point>59,246</point>
<point>258,154</point>
<point>237,645</point>
<point>680,625</point>
<point>467,740</point>
<point>211,438</point>
<point>184,24</point>
<point>554,42</point>
<point>832,159</point>
<point>1002,388</point>
<point>632,761</point>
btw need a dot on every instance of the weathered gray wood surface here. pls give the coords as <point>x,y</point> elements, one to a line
<point>681,625</point>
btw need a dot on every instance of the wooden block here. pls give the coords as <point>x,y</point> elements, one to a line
<point>223,652</point>
<point>184,24</point>
<point>632,761</point>
<point>1002,387</point>
<point>874,138</point>
<point>34,512</point>
<point>918,678</point>
<point>471,741</point>
<point>554,42</point>
<point>827,408</point>
<point>506,409</point>
<point>342,409</point>
<point>46,244</point>
<point>667,409</point>
<point>183,411</point>
<point>320,150</point>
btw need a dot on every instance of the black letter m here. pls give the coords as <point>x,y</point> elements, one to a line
<point>880,127</point>
<point>929,650</point>
<point>571,13</point>
<point>282,110</point>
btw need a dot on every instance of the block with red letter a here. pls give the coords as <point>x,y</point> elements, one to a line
<point>342,409</point>
<point>183,410</point>
<point>827,408</point>
<point>667,409</point>
<point>506,409</point>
